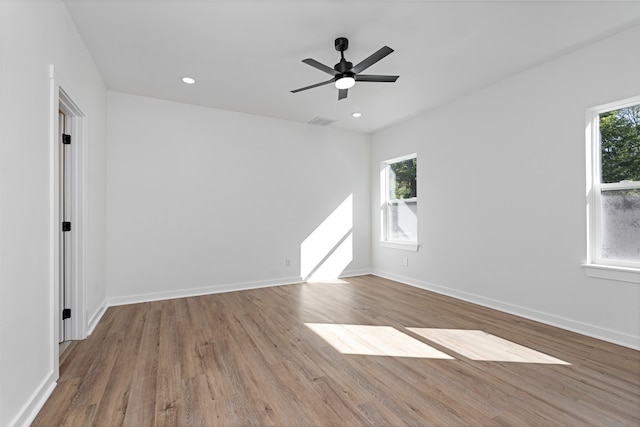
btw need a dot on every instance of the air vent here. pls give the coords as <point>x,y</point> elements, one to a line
<point>320,121</point>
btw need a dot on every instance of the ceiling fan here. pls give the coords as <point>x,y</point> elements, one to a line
<point>345,75</point>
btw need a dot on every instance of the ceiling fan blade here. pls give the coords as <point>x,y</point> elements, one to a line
<point>374,78</point>
<point>312,86</point>
<point>342,93</point>
<point>386,50</point>
<point>320,66</point>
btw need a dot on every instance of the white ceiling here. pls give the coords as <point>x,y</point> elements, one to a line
<point>246,55</point>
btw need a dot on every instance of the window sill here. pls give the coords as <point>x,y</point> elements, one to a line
<point>621,274</point>
<point>400,245</point>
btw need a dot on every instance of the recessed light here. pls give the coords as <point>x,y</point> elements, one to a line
<point>356,114</point>
<point>188,80</point>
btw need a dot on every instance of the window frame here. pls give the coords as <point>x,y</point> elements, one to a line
<point>596,265</point>
<point>386,203</point>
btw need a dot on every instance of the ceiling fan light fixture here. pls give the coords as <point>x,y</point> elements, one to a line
<point>345,82</point>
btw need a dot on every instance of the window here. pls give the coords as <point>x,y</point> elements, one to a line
<point>400,202</point>
<point>614,238</point>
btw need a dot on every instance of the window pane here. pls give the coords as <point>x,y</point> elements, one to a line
<point>621,225</point>
<point>402,179</point>
<point>620,144</point>
<point>403,221</point>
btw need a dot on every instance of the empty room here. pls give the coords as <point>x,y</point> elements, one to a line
<point>262,212</point>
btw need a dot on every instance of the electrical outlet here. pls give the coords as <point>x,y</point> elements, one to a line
<point>287,262</point>
<point>405,261</point>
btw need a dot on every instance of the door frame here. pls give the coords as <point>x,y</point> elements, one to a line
<point>76,122</point>
<point>77,324</point>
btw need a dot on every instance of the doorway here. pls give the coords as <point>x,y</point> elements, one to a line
<point>70,177</point>
<point>65,203</point>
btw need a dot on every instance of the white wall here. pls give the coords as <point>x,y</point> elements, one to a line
<point>501,189</point>
<point>204,200</point>
<point>33,35</point>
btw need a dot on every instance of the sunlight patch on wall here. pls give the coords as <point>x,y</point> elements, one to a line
<point>374,341</point>
<point>336,263</point>
<point>479,345</point>
<point>328,250</point>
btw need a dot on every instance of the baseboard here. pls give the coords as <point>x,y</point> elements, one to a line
<point>31,408</point>
<point>95,319</point>
<point>216,289</point>
<point>353,273</point>
<point>593,331</point>
<point>207,290</point>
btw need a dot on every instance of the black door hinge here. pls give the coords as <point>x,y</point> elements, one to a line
<point>66,139</point>
<point>66,226</point>
<point>66,313</point>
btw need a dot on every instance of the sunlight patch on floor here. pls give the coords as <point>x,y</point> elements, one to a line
<point>368,340</point>
<point>374,341</point>
<point>479,345</point>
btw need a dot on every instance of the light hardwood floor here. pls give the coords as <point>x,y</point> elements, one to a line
<point>366,351</point>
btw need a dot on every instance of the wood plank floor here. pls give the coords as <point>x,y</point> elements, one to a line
<point>293,355</point>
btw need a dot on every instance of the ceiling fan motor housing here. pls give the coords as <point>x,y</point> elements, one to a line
<point>343,67</point>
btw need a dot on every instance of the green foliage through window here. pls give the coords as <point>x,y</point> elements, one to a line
<point>405,178</point>
<point>620,144</point>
